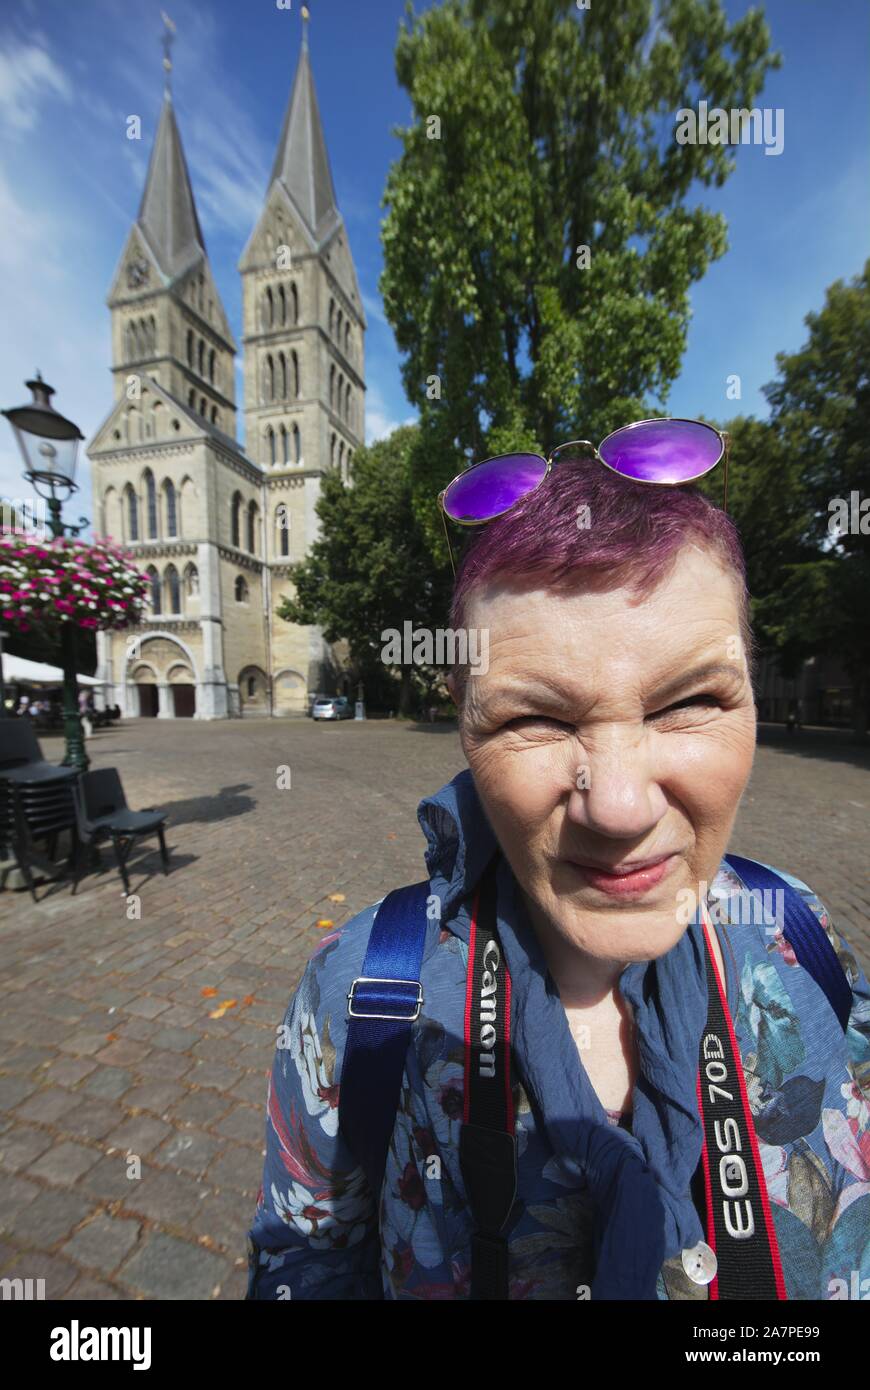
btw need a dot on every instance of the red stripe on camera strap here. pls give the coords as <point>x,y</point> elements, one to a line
<point>740,1228</point>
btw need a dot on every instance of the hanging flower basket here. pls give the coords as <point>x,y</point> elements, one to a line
<point>47,583</point>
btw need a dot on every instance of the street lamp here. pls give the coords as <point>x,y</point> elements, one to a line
<point>49,446</point>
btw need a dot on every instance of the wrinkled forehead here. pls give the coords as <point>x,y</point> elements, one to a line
<point>696,607</point>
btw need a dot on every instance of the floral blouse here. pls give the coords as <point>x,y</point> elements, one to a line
<point>319,1233</point>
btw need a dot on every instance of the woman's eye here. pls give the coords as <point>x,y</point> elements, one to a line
<point>690,700</point>
<point>527,721</point>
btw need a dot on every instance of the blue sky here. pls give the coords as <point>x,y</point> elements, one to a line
<point>70,180</point>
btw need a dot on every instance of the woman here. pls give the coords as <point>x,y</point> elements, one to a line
<point>609,736</point>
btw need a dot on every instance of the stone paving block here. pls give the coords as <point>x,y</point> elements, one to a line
<point>103,1243</point>
<point>108,1180</point>
<point>191,1150</point>
<point>69,1071</point>
<point>146,1007</point>
<point>226,1218</point>
<point>214,1074</point>
<point>121,1053</point>
<point>200,1108</point>
<point>158,1097</point>
<point>140,1134</point>
<point>64,1163</point>
<point>174,1066</point>
<point>108,1082</point>
<point>89,1290</point>
<point>238,1170</point>
<point>25,1060</point>
<point>166,1197</point>
<point>21,1145</point>
<point>167,1268</point>
<point>245,1123</point>
<point>89,1119</point>
<point>49,1218</point>
<point>58,1273</point>
<point>47,1105</point>
<point>15,1194</point>
<point>14,1089</point>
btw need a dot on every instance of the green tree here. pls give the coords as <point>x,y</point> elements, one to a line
<point>371,569</point>
<point>557,133</point>
<point>820,410</point>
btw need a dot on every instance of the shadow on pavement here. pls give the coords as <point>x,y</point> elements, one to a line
<point>835,745</point>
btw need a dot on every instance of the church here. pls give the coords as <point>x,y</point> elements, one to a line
<point>214,525</point>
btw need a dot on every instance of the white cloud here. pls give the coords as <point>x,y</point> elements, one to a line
<point>379,420</point>
<point>28,77</point>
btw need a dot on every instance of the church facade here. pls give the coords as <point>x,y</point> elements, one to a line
<point>216,524</point>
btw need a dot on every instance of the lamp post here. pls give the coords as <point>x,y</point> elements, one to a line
<point>49,446</point>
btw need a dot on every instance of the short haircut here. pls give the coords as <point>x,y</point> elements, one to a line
<point>586,527</point>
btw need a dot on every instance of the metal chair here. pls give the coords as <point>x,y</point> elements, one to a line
<point>102,812</point>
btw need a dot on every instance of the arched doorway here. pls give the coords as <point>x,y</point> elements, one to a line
<point>182,691</point>
<point>145,681</point>
<point>253,691</point>
<point>290,693</point>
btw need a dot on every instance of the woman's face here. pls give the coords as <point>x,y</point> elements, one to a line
<point>612,731</point>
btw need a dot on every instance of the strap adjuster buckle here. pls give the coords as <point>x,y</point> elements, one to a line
<point>394,1017</point>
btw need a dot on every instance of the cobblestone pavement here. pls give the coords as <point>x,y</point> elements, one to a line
<point>107,1047</point>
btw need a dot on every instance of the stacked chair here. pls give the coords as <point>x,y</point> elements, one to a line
<point>39,799</point>
<point>36,797</point>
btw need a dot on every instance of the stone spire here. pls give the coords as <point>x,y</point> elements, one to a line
<point>167,214</point>
<point>301,162</point>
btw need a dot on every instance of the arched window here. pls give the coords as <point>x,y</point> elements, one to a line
<point>347,340</point>
<point>211,365</point>
<point>152,334</point>
<point>154,583</point>
<point>151,503</point>
<point>282,305</point>
<point>252,526</point>
<point>338,326</point>
<point>347,403</point>
<point>200,357</point>
<point>203,406</point>
<point>173,589</point>
<point>171,509</point>
<point>332,387</point>
<point>295,362</point>
<point>281,521</point>
<point>285,457</point>
<point>331,316</point>
<point>270,378</point>
<point>191,399</point>
<point>132,513</point>
<point>214,414</point>
<point>269,307</point>
<point>297,445</point>
<point>201,297</point>
<point>191,581</point>
<point>190,347</point>
<point>270,436</point>
<point>282,367</point>
<point>349,457</point>
<point>332,449</point>
<point>241,589</point>
<point>237,519</point>
<point>294,301</point>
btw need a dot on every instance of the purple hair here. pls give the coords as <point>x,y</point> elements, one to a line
<point>631,534</point>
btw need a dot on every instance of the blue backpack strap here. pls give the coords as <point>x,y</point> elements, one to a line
<point>804,933</point>
<point>382,1003</point>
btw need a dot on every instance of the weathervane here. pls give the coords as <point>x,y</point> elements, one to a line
<point>168,36</point>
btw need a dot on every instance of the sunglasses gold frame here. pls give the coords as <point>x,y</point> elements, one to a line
<point>724,440</point>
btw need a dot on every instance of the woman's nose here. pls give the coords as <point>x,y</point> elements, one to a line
<point>616,793</point>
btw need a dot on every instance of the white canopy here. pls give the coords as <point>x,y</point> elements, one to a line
<point>17,668</point>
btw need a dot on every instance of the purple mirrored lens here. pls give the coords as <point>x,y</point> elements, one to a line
<point>490,488</point>
<point>662,451</point>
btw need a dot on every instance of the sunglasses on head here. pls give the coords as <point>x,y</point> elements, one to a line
<point>667,452</point>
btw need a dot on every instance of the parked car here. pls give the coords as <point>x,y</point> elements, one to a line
<point>332,707</point>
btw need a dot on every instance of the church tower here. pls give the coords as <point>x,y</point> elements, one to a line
<point>303,345</point>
